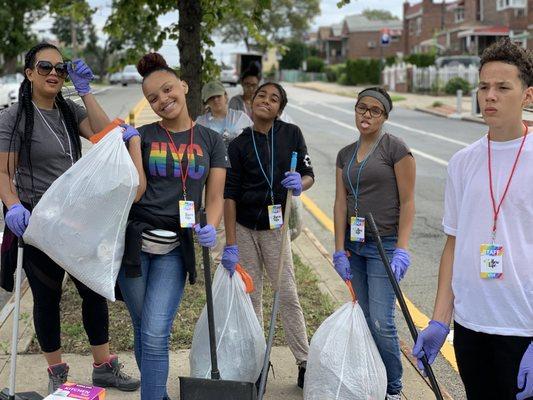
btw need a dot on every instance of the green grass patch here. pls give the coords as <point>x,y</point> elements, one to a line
<point>397,97</point>
<point>316,307</point>
<point>437,104</point>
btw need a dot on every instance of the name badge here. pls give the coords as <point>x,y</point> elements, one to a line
<point>491,256</point>
<point>187,214</point>
<point>275,216</point>
<point>357,229</point>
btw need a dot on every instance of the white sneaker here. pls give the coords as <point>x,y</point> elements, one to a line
<point>394,396</point>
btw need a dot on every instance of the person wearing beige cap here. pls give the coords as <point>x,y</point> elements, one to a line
<point>227,122</point>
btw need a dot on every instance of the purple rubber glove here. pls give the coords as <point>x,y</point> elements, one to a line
<point>17,219</point>
<point>207,236</point>
<point>230,258</point>
<point>525,375</point>
<point>293,181</point>
<point>429,342</point>
<point>129,132</point>
<point>81,75</point>
<point>401,259</point>
<point>342,265</point>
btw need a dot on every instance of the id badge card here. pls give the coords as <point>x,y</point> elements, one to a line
<point>491,256</point>
<point>275,216</point>
<point>357,229</point>
<point>187,214</point>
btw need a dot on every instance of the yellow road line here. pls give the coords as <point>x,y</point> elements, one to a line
<point>419,319</point>
<point>137,109</point>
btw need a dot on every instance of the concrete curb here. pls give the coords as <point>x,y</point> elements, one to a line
<point>439,114</point>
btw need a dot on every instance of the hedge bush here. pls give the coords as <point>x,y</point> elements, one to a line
<point>362,71</point>
<point>315,64</point>
<point>455,84</point>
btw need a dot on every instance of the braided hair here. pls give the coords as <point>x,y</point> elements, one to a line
<point>25,105</point>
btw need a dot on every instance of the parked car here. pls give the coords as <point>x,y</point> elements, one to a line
<point>115,77</point>
<point>228,74</point>
<point>9,89</point>
<point>130,75</point>
<point>454,61</point>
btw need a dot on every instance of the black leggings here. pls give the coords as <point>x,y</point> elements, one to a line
<point>45,278</point>
<point>488,364</point>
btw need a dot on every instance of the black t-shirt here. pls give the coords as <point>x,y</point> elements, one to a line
<point>245,182</point>
<point>161,163</point>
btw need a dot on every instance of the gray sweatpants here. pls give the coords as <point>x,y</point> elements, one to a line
<point>261,249</point>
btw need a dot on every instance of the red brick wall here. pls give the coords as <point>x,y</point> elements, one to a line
<point>358,46</point>
<point>431,23</point>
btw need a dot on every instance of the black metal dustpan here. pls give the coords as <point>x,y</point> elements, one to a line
<point>9,393</point>
<point>403,306</point>
<point>214,388</point>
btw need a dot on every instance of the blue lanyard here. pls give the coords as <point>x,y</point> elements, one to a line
<point>271,181</point>
<point>363,163</point>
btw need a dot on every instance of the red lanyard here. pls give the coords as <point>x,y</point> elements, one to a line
<point>186,172</point>
<point>496,210</point>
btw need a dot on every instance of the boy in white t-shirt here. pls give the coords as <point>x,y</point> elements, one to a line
<point>486,268</point>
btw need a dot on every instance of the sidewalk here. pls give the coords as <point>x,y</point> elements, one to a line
<point>413,101</point>
<point>31,368</point>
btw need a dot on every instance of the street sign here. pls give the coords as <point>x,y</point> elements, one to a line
<point>385,37</point>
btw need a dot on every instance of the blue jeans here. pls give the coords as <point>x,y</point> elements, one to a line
<point>377,299</point>
<point>153,300</point>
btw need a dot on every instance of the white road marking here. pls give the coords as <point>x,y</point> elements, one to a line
<point>420,153</point>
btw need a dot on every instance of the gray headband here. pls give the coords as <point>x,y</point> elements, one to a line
<point>376,95</point>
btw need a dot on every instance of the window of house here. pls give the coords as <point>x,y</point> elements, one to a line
<point>395,38</point>
<point>459,14</point>
<point>505,4</point>
<point>411,27</point>
<point>418,26</point>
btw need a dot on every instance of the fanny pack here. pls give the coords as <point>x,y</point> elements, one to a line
<point>159,241</point>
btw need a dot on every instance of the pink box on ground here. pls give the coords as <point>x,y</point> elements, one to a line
<point>78,392</point>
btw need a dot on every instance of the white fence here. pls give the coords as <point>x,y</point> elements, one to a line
<point>428,78</point>
<point>394,75</point>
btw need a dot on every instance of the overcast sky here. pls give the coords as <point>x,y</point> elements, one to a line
<point>330,14</point>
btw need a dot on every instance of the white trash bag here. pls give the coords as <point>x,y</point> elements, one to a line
<point>344,362</point>
<point>81,219</point>
<point>240,340</point>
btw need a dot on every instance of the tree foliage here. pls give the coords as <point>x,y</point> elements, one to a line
<point>16,18</point>
<point>379,15</point>
<point>134,26</point>
<point>280,19</point>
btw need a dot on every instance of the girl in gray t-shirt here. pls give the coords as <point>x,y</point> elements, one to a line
<point>375,174</point>
<point>39,141</point>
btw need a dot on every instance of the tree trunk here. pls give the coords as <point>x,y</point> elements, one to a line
<point>189,45</point>
<point>10,65</point>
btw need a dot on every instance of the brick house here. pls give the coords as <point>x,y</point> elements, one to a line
<point>421,21</point>
<point>467,26</point>
<point>329,43</point>
<point>362,37</point>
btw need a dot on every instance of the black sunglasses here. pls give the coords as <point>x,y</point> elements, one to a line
<point>44,68</point>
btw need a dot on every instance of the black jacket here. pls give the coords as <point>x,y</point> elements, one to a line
<point>140,220</point>
<point>245,182</point>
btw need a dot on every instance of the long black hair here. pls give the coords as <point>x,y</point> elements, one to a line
<point>25,105</point>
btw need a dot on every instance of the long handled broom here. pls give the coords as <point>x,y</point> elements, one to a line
<point>275,306</point>
<point>403,305</point>
<point>214,388</point>
<point>9,393</point>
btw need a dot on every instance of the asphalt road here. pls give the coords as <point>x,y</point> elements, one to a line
<point>117,101</point>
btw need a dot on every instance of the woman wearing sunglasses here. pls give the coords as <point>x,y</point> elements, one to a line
<point>375,174</point>
<point>39,141</point>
